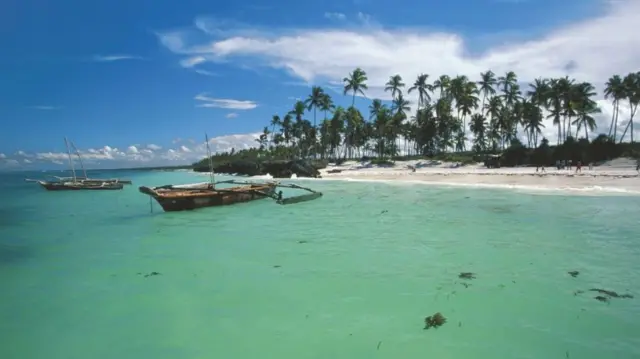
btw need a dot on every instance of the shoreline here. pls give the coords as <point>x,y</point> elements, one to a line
<point>616,178</point>
<point>619,177</point>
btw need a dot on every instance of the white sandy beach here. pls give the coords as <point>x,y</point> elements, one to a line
<point>617,176</point>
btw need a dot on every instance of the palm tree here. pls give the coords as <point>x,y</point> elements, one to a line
<point>400,105</point>
<point>584,107</point>
<point>275,121</point>
<point>423,88</point>
<point>478,126</point>
<point>326,105</point>
<point>487,83</point>
<point>394,85</point>
<point>314,101</point>
<point>555,105</point>
<point>631,86</point>
<point>442,83</point>
<point>356,83</point>
<point>614,89</point>
<point>496,109</point>
<point>532,121</point>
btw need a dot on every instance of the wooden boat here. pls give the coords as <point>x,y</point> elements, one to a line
<point>86,179</point>
<point>67,186</point>
<point>173,198</point>
<point>79,183</point>
<point>92,180</point>
<point>207,194</point>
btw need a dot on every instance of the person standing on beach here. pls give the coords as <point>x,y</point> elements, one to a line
<point>579,167</point>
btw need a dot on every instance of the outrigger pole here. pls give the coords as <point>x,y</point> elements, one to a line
<point>278,197</point>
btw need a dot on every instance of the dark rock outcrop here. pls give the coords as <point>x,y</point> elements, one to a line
<point>284,169</point>
<point>240,167</point>
<point>276,168</point>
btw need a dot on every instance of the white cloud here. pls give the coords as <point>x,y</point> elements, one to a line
<point>135,155</point>
<point>231,115</point>
<point>21,153</point>
<point>192,61</point>
<point>46,108</point>
<point>335,16</point>
<point>364,18</point>
<point>206,101</point>
<point>585,50</point>
<point>111,58</point>
<point>205,72</point>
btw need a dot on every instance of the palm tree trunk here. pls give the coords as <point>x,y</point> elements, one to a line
<point>630,124</point>
<point>615,122</point>
<point>586,133</point>
<point>613,117</point>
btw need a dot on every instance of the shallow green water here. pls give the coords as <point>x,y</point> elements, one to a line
<point>351,275</point>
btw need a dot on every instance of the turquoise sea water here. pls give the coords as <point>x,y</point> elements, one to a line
<point>351,275</point>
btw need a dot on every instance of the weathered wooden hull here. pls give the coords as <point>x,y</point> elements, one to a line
<point>176,200</point>
<point>92,180</point>
<point>81,187</point>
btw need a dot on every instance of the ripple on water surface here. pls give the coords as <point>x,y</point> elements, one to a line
<point>352,275</point>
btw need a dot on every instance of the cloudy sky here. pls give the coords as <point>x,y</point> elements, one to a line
<point>139,83</point>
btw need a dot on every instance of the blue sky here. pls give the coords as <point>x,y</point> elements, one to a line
<point>114,74</point>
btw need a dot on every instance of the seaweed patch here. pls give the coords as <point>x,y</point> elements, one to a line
<point>434,321</point>
<point>467,275</point>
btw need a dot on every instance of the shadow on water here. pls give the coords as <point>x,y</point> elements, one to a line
<point>12,253</point>
<point>12,214</point>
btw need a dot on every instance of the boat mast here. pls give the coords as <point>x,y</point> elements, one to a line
<point>73,171</point>
<point>84,171</point>
<point>209,157</point>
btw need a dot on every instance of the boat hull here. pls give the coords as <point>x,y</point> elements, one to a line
<point>175,200</point>
<point>81,187</point>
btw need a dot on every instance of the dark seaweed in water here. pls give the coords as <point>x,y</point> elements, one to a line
<point>605,294</point>
<point>610,293</point>
<point>434,321</point>
<point>467,275</point>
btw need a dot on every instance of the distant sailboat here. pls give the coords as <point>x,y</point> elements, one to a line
<point>79,183</point>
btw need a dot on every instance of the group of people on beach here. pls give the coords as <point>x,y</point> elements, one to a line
<point>562,164</point>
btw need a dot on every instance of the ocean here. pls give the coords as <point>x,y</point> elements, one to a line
<point>350,275</point>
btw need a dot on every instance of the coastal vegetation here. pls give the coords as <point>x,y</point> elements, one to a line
<point>455,119</point>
